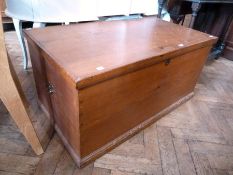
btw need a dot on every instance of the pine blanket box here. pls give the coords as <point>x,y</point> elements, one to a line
<point>102,82</point>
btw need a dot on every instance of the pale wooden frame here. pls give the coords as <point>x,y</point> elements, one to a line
<point>13,98</point>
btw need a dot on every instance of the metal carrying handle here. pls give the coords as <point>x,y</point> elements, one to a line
<point>51,89</point>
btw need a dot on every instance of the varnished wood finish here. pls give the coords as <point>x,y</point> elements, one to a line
<point>131,99</point>
<point>123,137</point>
<point>194,139</point>
<point>110,77</point>
<point>12,96</point>
<point>41,80</point>
<point>65,106</point>
<point>120,47</point>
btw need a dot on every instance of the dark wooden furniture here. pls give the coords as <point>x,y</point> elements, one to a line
<point>175,5</point>
<point>196,5</point>
<point>228,50</point>
<point>210,16</point>
<point>102,82</point>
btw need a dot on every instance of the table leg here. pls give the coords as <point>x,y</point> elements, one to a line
<point>195,8</point>
<point>18,29</point>
<point>161,3</point>
<point>222,39</point>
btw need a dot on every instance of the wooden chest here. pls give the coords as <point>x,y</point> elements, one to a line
<point>101,82</point>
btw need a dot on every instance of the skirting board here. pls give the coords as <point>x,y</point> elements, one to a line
<point>109,146</point>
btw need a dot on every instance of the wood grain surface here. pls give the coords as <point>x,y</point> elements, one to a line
<point>114,47</point>
<point>131,99</point>
<point>150,69</point>
<point>200,129</point>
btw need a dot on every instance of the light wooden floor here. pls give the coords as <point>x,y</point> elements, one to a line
<point>196,138</point>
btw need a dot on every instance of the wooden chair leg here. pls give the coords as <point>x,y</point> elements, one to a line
<point>12,96</point>
<point>16,107</point>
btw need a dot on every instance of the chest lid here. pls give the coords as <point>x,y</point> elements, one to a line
<point>96,51</point>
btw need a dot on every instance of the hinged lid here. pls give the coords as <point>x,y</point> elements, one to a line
<point>96,51</point>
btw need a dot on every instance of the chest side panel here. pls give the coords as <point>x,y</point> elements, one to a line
<point>111,108</point>
<point>64,100</point>
<point>40,77</point>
